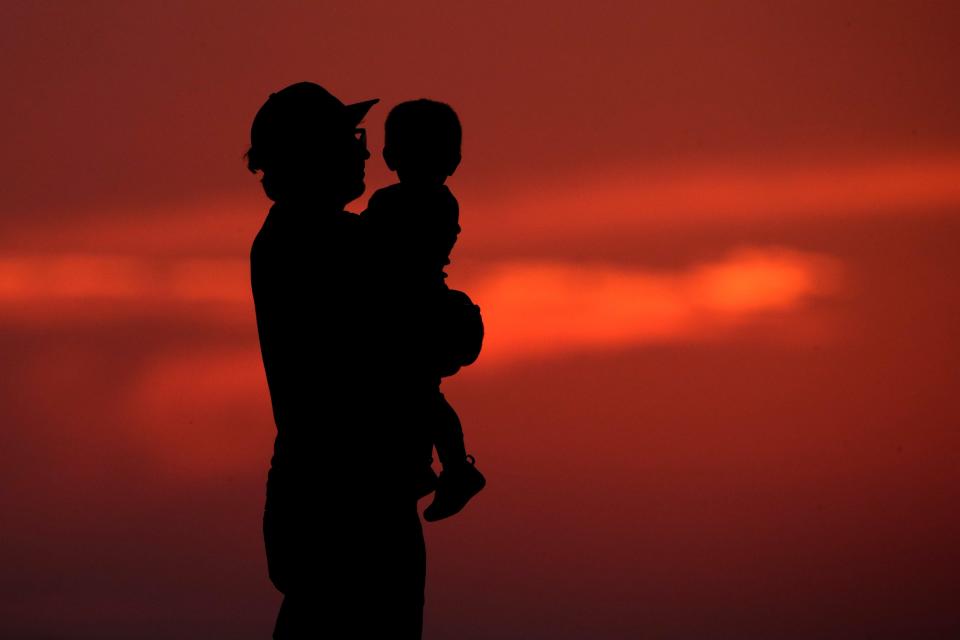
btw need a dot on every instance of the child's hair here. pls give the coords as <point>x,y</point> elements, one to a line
<point>423,137</point>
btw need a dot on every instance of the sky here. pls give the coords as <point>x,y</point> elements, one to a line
<point>715,249</point>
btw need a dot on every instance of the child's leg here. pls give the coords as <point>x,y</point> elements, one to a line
<point>460,480</point>
<point>447,433</point>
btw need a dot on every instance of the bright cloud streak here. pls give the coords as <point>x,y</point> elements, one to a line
<point>539,309</point>
<point>33,278</point>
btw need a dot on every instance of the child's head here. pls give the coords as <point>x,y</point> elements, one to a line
<point>422,140</point>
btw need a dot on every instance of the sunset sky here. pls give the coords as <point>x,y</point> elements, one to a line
<point>716,249</point>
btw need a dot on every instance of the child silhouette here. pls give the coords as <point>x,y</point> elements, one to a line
<point>413,226</point>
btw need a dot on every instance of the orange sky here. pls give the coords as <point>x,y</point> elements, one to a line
<point>714,243</point>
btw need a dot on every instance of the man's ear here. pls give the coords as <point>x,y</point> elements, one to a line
<point>389,158</point>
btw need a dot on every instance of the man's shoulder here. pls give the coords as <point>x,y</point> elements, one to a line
<point>285,236</point>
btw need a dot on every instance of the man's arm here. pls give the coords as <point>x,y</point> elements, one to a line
<point>288,328</point>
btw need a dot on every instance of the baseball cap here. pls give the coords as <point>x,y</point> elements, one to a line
<point>299,110</point>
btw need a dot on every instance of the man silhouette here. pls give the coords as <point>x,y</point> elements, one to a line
<point>344,541</point>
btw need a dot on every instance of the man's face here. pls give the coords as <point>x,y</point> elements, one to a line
<point>358,156</point>
<point>339,165</point>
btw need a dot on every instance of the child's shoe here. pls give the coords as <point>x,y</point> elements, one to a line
<point>456,485</point>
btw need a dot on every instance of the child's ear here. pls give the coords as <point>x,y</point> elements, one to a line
<point>389,158</point>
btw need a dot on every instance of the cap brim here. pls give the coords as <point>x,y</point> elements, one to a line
<point>358,110</point>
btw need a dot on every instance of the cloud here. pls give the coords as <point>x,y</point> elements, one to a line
<point>72,288</point>
<point>538,309</point>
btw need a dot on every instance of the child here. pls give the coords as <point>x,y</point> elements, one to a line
<point>413,226</point>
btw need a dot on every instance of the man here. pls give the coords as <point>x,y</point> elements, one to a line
<point>343,538</point>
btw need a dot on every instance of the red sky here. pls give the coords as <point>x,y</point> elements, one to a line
<point>714,243</point>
